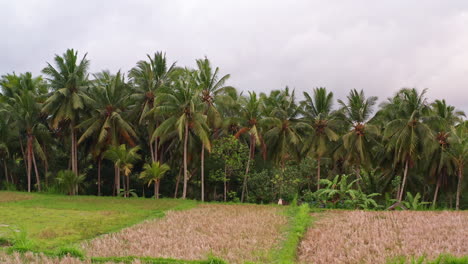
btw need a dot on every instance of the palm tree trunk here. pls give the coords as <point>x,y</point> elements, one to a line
<point>25,158</point>
<point>5,169</point>
<point>244,184</point>
<point>318,173</point>
<point>156,189</point>
<point>184,192</point>
<point>38,181</point>
<point>127,193</point>
<point>225,183</point>
<point>117,180</point>
<point>459,185</point>
<point>151,149</point>
<point>99,176</point>
<point>436,192</point>
<point>73,153</point>
<point>177,183</point>
<point>156,149</point>
<point>203,173</point>
<point>404,181</point>
<point>29,150</point>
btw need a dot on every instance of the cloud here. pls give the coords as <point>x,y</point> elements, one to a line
<point>376,46</point>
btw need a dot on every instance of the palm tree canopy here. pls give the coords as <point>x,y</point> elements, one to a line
<point>154,172</point>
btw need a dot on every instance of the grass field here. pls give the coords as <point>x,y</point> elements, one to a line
<point>51,221</point>
<point>170,231</point>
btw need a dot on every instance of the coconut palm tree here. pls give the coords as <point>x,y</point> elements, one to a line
<point>408,136</point>
<point>69,182</point>
<point>281,124</point>
<point>153,173</point>
<point>123,159</point>
<point>317,112</point>
<point>107,124</point>
<point>25,109</point>
<point>458,150</point>
<point>210,84</point>
<point>441,119</point>
<point>184,109</point>
<point>358,141</point>
<point>148,79</point>
<point>68,80</point>
<point>250,115</point>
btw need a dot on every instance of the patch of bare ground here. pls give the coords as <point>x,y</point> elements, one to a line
<point>6,196</point>
<point>236,233</point>
<point>375,237</point>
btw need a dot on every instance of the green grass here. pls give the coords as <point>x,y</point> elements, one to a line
<point>54,221</point>
<point>299,221</point>
<point>442,259</point>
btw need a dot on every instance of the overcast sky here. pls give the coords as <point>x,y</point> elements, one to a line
<point>378,46</point>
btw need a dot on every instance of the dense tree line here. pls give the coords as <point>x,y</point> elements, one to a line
<point>115,133</point>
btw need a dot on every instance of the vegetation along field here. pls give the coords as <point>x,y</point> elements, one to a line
<point>171,164</point>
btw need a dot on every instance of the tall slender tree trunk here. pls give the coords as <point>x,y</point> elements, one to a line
<point>459,185</point>
<point>5,169</point>
<point>203,173</point>
<point>99,175</point>
<point>225,183</point>
<point>151,149</point>
<point>177,183</point>
<point>244,184</point>
<point>436,192</point>
<point>72,150</point>
<point>156,189</point>
<point>318,172</point>
<point>402,190</point>
<point>117,180</point>
<point>36,171</point>
<point>29,150</point>
<point>184,192</point>
<point>25,158</point>
<point>156,149</point>
<point>127,193</point>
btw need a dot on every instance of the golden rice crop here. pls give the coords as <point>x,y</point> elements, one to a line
<point>236,233</point>
<point>374,237</point>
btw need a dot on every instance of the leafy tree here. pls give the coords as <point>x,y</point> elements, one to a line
<point>153,173</point>
<point>232,155</point>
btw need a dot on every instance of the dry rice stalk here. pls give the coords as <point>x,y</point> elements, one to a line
<point>373,237</point>
<point>236,233</point>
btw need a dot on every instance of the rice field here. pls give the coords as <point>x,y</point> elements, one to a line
<point>377,237</point>
<point>236,233</point>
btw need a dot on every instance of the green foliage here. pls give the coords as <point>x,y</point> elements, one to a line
<point>414,203</point>
<point>128,193</point>
<point>338,193</point>
<point>70,251</point>
<point>68,182</point>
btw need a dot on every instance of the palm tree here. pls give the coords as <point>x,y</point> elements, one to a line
<point>68,79</point>
<point>317,114</point>
<point>69,181</point>
<point>123,159</point>
<point>183,107</point>
<point>408,136</point>
<point>210,84</point>
<point>107,123</point>
<point>357,142</point>
<point>153,173</point>
<point>24,107</point>
<point>149,78</point>
<point>442,118</point>
<point>251,116</point>
<point>282,124</point>
<point>458,150</point>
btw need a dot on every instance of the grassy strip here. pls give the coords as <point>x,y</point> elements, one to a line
<point>442,259</point>
<point>299,221</point>
<point>149,260</point>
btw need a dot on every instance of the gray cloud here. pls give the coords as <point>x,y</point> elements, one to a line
<point>378,46</point>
